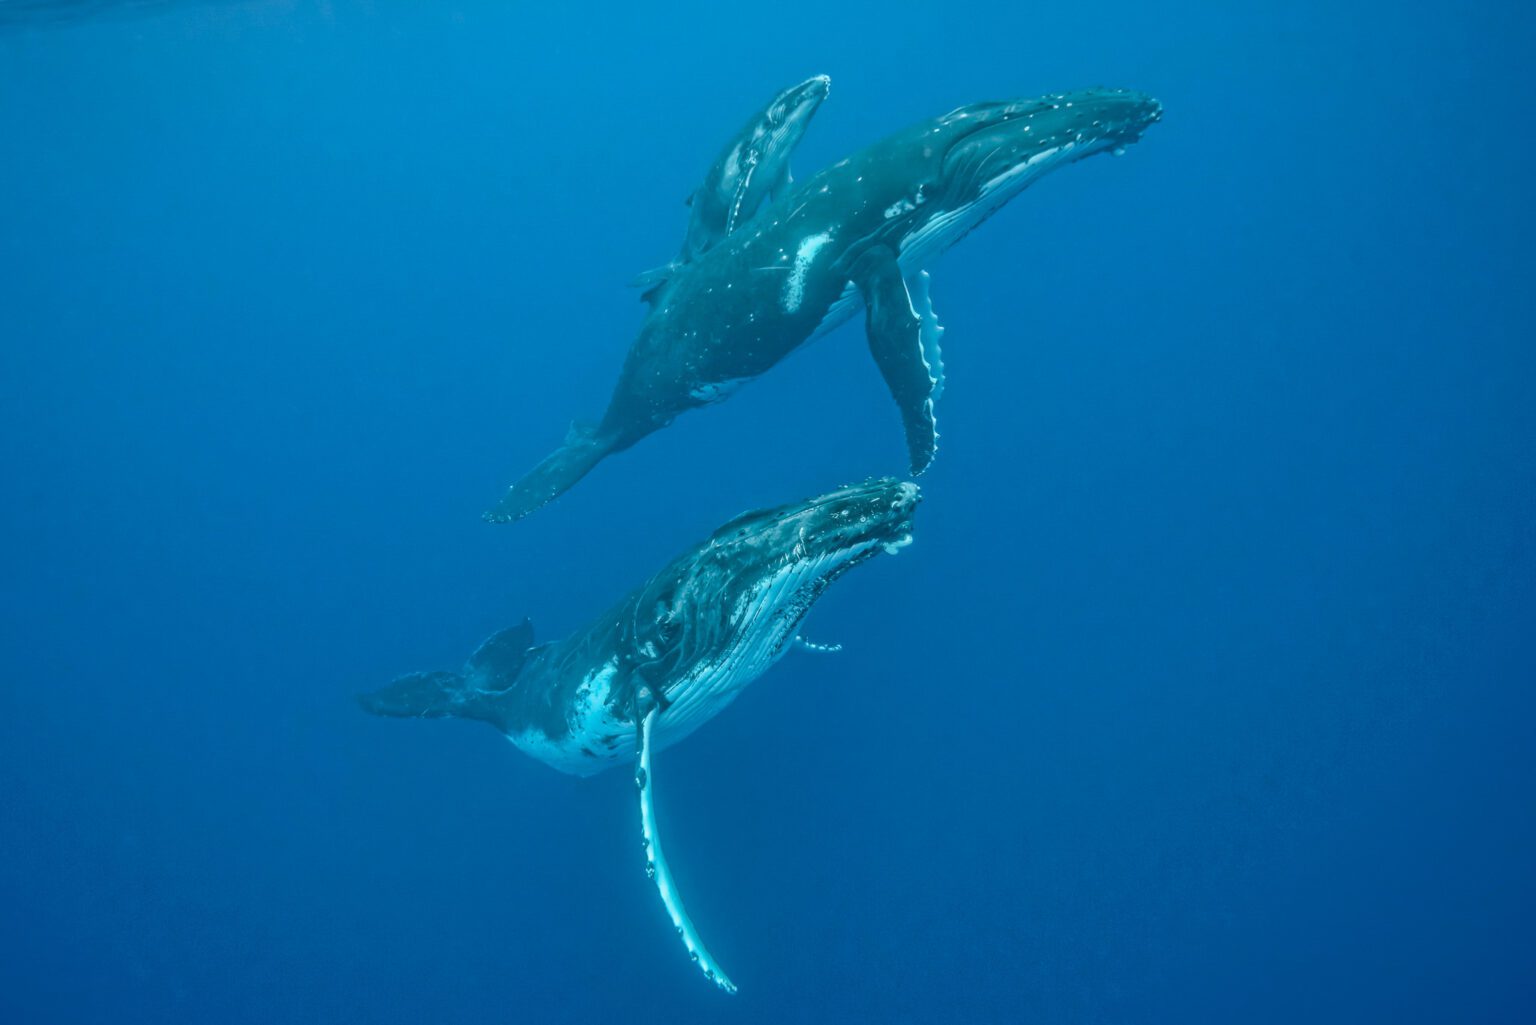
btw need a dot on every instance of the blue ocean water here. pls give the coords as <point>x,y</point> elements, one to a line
<point>1204,694</point>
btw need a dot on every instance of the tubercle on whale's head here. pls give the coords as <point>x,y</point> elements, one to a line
<point>964,166</point>
<point>840,526</point>
<point>795,105</point>
<point>992,146</point>
<point>812,540</point>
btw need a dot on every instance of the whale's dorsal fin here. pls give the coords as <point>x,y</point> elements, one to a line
<point>904,339</point>
<point>656,862</point>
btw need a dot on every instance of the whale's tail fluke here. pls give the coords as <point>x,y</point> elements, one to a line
<point>434,695</point>
<point>470,694</point>
<point>584,448</point>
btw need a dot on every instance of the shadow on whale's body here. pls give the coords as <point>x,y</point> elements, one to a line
<point>859,234</point>
<point>670,656</point>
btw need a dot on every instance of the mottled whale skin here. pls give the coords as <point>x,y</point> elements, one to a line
<point>753,166</point>
<point>859,233</point>
<point>670,656</point>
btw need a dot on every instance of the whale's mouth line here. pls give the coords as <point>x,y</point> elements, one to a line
<point>798,102</point>
<point>890,538</point>
<point>889,541</point>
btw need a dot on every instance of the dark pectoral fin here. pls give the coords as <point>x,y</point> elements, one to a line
<point>897,337</point>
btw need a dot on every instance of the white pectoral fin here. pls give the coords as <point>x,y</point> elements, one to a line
<point>656,862</point>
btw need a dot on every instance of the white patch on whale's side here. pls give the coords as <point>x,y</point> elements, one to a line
<point>590,721</point>
<point>794,286</point>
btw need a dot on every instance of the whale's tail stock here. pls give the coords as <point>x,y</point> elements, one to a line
<point>584,448</point>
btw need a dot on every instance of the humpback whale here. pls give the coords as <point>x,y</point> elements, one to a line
<point>858,234</point>
<point>670,656</point>
<point>753,166</point>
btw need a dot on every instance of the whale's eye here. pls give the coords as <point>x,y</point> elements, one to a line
<point>666,621</point>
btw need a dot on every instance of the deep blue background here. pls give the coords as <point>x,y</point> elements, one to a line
<point>1204,695</point>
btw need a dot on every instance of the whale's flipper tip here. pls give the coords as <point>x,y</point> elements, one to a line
<point>583,449</point>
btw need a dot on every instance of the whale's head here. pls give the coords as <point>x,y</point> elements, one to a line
<point>720,615</point>
<point>778,130</point>
<point>976,158</point>
<point>811,542</point>
<point>795,105</point>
